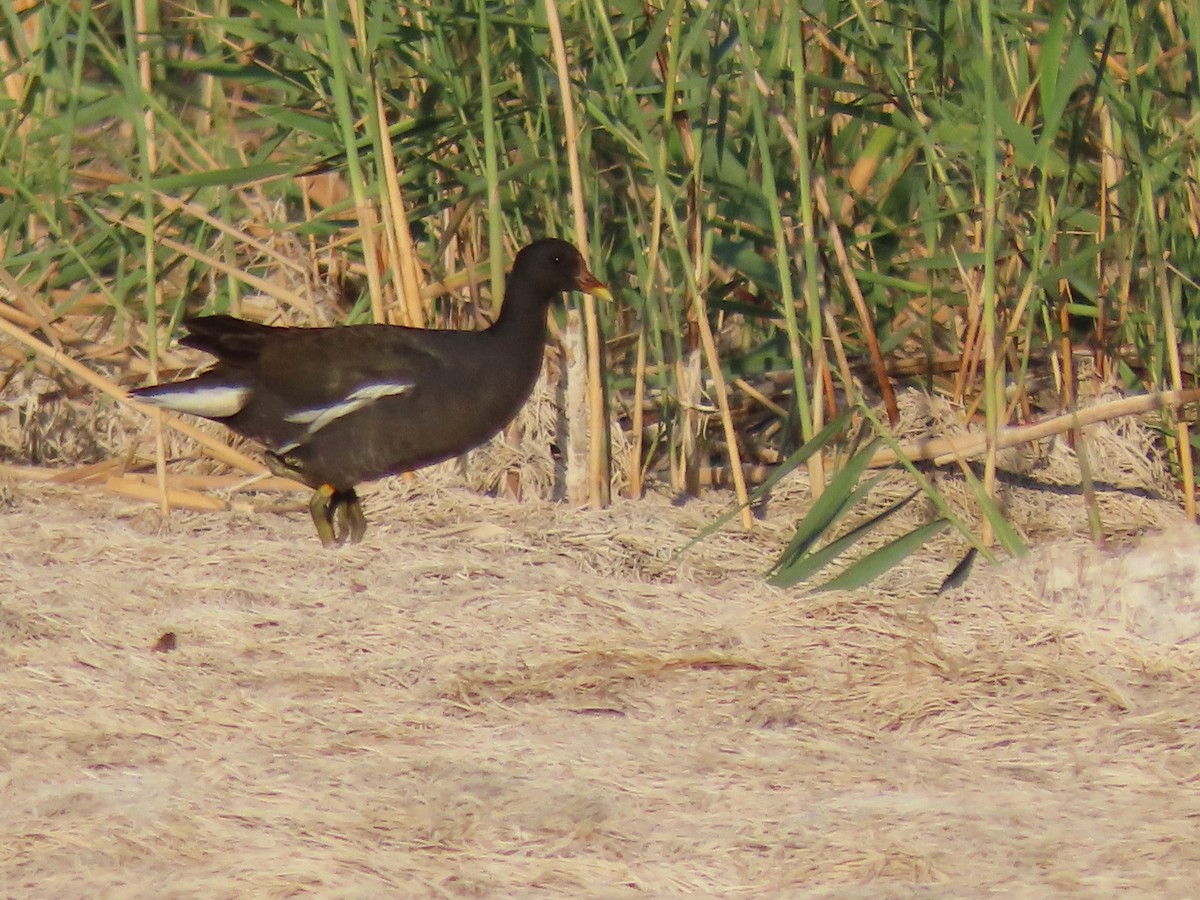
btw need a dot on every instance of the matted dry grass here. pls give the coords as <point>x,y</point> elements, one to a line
<point>510,699</point>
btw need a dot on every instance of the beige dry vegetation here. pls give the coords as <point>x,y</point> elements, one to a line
<point>495,698</point>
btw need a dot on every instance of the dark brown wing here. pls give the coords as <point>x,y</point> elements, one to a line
<point>304,368</point>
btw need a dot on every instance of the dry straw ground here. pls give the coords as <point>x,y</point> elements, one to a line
<point>492,698</point>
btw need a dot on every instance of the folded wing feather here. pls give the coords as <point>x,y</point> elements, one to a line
<point>318,417</point>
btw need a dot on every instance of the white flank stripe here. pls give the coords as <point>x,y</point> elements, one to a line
<point>212,402</point>
<point>320,416</point>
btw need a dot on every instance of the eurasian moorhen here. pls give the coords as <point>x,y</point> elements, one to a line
<point>337,406</point>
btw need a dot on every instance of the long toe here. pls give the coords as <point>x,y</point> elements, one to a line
<point>350,522</point>
<point>322,515</point>
<point>355,520</point>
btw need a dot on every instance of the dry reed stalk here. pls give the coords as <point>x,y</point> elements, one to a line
<point>149,149</point>
<point>576,413</point>
<point>367,217</point>
<point>652,268</point>
<point>160,460</point>
<point>37,315</point>
<point>762,398</point>
<point>371,260</point>
<point>823,397</point>
<point>721,391</point>
<point>92,473</point>
<point>639,418</point>
<point>944,450</point>
<point>176,497</point>
<point>685,470</point>
<point>981,344</point>
<point>306,204</point>
<point>1112,175</point>
<point>43,473</point>
<point>141,21</point>
<point>396,228</point>
<point>1068,394</point>
<point>860,302</point>
<point>947,450</point>
<point>599,467</point>
<point>232,483</point>
<point>14,315</point>
<point>1183,443</point>
<point>845,372</point>
<point>969,360</point>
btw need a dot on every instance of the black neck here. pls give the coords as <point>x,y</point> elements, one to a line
<point>522,316</point>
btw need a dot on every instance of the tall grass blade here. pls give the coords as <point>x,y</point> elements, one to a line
<point>841,495</point>
<point>884,559</point>
<point>802,566</point>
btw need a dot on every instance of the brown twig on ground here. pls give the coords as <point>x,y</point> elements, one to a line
<point>945,450</point>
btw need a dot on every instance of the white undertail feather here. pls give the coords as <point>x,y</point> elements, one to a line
<point>318,417</point>
<point>213,401</point>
